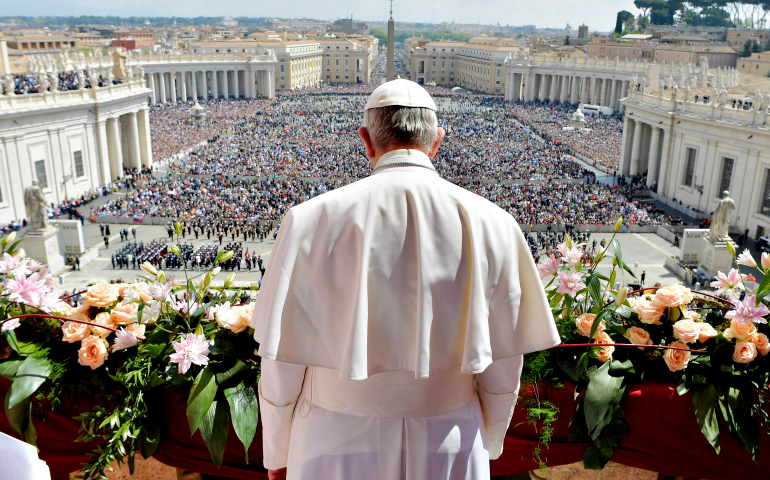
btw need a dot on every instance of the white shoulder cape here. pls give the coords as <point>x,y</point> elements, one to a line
<point>400,271</point>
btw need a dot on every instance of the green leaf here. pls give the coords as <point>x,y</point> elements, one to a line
<point>595,289</point>
<point>705,399</point>
<point>214,430</point>
<point>231,373</point>
<point>617,251</point>
<point>597,322</point>
<point>603,395</point>
<point>30,375</point>
<point>8,368</point>
<point>17,415</point>
<point>570,365</point>
<point>628,269</point>
<point>613,275</point>
<point>618,368</point>
<point>244,411</point>
<point>624,311</point>
<point>139,315</point>
<point>201,397</point>
<point>596,458</point>
<point>739,406</point>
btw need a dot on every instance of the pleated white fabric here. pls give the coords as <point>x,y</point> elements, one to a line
<point>400,271</point>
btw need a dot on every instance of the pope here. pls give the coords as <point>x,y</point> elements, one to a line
<point>394,315</point>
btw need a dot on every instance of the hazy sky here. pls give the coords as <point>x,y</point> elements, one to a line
<point>597,14</point>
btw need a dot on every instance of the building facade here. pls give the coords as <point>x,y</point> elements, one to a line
<point>717,56</point>
<point>691,152</point>
<point>346,60</point>
<point>71,141</point>
<point>756,64</point>
<point>625,49</point>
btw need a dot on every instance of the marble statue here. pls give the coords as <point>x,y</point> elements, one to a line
<point>81,80</point>
<point>37,207</point>
<point>720,221</point>
<point>723,96</point>
<point>10,85</point>
<point>757,101</point>
<point>767,101</point>
<point>674,92</point>
<point>686,93</point>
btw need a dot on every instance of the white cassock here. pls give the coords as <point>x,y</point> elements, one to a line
<point>392,321</point>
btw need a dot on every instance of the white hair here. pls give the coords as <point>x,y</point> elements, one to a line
<point>402,125</point>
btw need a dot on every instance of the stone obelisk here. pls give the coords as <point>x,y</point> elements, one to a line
<point>390,72</point>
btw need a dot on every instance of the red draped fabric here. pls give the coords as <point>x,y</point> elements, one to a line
<point>664,438</point>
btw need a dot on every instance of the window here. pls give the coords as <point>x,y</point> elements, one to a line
<point>40,172</point>
<point>78,158</point>
<point>283,68</point>
<point>727,176</point>
<point>689,168</point>
<point>764,209</point>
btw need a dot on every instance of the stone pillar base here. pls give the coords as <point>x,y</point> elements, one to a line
<point>43,246</point>
<point>715,257</point>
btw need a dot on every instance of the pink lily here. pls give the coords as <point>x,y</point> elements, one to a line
<point>748,311</point>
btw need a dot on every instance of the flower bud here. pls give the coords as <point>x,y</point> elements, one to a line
<point>226,255</point>
<point>229,280</point>
<point>21,253</point>
<point>207,279</point>
<point>730,247</point>
<point>618,225</point>
<point>765,261</point>
<point>621,296</point>
<point>216,271</point>
<point>162,276</point>
<point>175,250</point>
<point>568,240</point>
<point>147,267</point>
<point>199,329</point>
<point>9,239</point>
<point>178,228</point>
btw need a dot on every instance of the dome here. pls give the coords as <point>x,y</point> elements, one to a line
<point>196,108</point>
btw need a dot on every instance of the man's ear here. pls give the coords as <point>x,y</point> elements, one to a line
<point>364,134</point>
<point>434,149</point>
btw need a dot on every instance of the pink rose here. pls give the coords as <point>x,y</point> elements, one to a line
<point>125,313</point>
<point>762,343</point>
<point>102,318</point>
<point>584,323</point>
<point>648,312</point>
<point>102,295</point>
<point>93,352</point>
<point>745,352</point>
<point>707,332</point>
<point>742,330</point>
<point>672,296</point>
<point>604,353</point>
<point>677,359</point>
<point>687,331</point>
<point>638,336</point>
<point>136,329</point>
<point>74,331</point>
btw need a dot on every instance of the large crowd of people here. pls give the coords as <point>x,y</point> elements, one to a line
<point>70,80</point>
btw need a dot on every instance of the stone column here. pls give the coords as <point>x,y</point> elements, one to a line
<point>236,84</point>
<point>652,168</point>
<point>665,161</point>
<point>134,149</point>
<point>194,85</point>
<point>225,84</point>
<point>145,143</point>
<point>214,85</point>
<point>116,149</point>
<point>153,94</point>
<point>553,95</point>
<point>636,148</point>
<point>585,83</point>
<point>573,95</point>
<point>183,79</point>
<point>564,89</point>
<point>172,84</point>
<point>162,83</point>
<point>205,85</point>
<point>104,151</point>
<point>595,91</point>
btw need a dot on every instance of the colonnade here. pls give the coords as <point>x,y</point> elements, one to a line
<point>123,141</point>
<point>191,85</point>
<point>565,88</point>
<point>645,148</point>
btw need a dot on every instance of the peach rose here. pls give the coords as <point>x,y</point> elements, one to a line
<point>762,343</point>
<point>93,352</point>
<point>121,287</point>
<point>677,359</point>
<point>638,336</point>
<point>125,313</point>
<point>694,316</point>
<point>83,309</point>
<point>585,322</point>
<point>634,302</point>
<point>102,295</point>
<point>143,289</point>
<point>232,320</point>
<point>102,318</point>
<point>687,331</point>
<point>672,296</point>
<point>648,312</point>
<point>74,331</point>
<point>137,329</point>
<point>745,352</point>
<point>742,330</point>
<point>604,353</point>
<point>707,332</point>
<point>247,311</point>
<point>64,309</point>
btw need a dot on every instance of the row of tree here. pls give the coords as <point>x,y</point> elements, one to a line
<point>401,35</point>
<point>711,13</point>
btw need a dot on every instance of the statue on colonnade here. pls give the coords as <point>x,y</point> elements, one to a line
<point>720,221</point>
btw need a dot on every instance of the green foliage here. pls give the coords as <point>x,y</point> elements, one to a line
<point>622,16</point>
<point>401,35</point>
<point>541,414</point>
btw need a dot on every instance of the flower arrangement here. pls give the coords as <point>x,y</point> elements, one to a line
<point>714,348</point>
<point>122,347</point>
